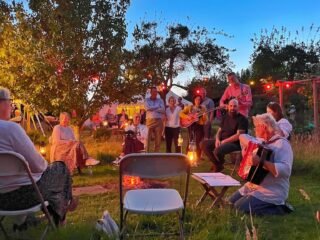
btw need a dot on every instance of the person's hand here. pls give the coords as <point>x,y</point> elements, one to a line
<point>255,160</point>
<point>217,143</point>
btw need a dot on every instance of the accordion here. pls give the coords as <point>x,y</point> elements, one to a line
<point>248,172</point>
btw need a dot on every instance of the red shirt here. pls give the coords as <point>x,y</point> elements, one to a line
<point>242,93</point>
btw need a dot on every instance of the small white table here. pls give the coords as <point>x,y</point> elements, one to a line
<point>210,182</point>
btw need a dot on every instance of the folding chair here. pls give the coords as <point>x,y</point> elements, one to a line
<point>14,164</point>
<point>153,201</point>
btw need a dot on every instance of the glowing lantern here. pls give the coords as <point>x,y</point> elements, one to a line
<point>105,123</point>
<point>180,142</point>
<point>43,149</point>
<point>251,83</point>
<point>192,153</point>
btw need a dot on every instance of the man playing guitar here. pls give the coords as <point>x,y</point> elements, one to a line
<point>239,91</point>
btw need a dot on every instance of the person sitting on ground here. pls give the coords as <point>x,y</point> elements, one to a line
<point>270,196</point>
<point>227,138</point>
<point>53,180</point>
<point>285,126</point>
<point>66,148</point>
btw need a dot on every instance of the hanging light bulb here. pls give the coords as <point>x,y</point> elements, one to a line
<point>192,153</point>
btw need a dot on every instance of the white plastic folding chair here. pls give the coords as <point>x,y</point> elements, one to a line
<point>153,201</point>
<point>14,164</point>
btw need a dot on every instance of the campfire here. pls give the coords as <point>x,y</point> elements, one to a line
<point>132,181</point>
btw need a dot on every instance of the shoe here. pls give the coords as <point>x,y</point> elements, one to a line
<point>92,162</point>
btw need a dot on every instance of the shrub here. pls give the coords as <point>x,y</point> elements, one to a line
<point>102,134</point>
<point>37,137</point>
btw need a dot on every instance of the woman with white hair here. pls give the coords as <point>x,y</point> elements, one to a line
<point>53,180</point>
<point>66,148</point>
<point>269,197</point>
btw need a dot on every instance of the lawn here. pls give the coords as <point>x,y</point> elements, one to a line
<point>201,223</point>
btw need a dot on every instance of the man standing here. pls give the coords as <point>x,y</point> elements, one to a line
<point>209,104</point>
<point>155,115</point>
<point>269,197</point>
<point>239,91</point>
<point>227,138</point>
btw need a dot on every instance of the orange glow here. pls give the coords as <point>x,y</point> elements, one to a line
<point>131,181</point>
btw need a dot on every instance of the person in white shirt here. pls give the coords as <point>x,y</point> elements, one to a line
<point>269,197</point>
<point>285,126</point>
<point>172,124</point>
<point>140,130</point>
<point>53,180</point>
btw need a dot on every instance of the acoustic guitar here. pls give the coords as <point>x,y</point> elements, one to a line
<point>185,122</point>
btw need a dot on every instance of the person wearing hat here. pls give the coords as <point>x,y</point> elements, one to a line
<point>269,197</point>
<point>53,180</point>
<point>196,115</point>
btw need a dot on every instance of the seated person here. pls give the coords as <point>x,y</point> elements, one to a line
<point>66,148</point>
<point>96,121</point>
<point>122,119</point>
<point>269,197</point>
<point>227,138</point>
<point>136,138</point>
<point>140,130</point>
<point>285,126</point>
<point>53,180</point>
<point>111,118</point>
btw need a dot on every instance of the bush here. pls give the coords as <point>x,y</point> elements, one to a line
<point>37,137</point>
<point>102,134</point>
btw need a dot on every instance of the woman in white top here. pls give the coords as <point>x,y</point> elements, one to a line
<point>285,126</point>
<point>172,128</point>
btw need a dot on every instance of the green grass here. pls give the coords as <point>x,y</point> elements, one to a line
<point>201,223</point>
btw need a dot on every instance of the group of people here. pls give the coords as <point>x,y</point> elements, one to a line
<point>54,179</point>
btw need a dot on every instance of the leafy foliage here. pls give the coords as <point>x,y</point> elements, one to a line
<point>283,55</point>
<point>63,55</point>
<point>159,58</point>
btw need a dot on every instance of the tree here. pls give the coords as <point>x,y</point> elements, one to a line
<point>283,55</point>
<point>158,60</point>
<point>71,53</point>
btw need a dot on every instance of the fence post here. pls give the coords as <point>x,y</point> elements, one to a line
<point>315,107</point>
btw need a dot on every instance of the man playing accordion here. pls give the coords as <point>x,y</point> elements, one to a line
<point>269,197</point>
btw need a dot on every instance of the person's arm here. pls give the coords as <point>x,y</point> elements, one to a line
<point>161,108</point>
<point>22,144</point>
<point>148,105</point>
<point>224,97</point>
<point>218,138</point>
<point>283,158</point>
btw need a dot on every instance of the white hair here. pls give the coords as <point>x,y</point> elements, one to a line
<point>4,94</point>
<point>266,119</point>
<point>235,101</point>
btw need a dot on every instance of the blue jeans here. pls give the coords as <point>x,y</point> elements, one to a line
<point>258,207</point>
